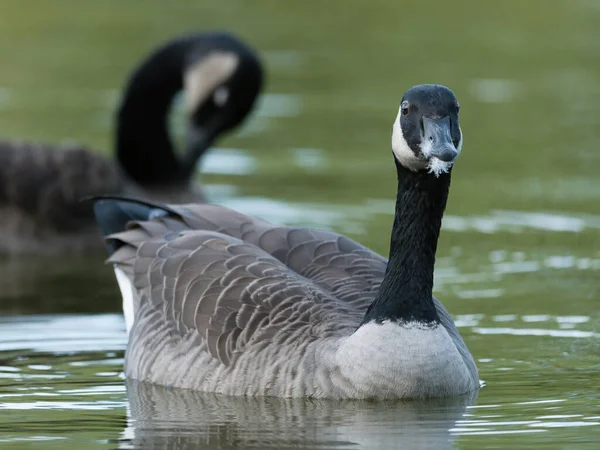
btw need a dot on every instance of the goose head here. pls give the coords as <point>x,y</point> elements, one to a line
<point>222,79</point>
<point>426,134</point>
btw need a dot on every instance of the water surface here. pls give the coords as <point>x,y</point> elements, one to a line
<point>518,259</point>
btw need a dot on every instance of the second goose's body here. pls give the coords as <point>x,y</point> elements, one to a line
<point>218,301</point>
<point>41,186</point>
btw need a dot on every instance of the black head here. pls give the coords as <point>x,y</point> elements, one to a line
<point>426,134</point>
<point>222,80</point>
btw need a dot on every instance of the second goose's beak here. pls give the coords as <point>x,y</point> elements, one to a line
<point>437,139</point>
<point>197,141</point>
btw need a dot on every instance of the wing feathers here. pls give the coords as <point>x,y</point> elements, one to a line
<point>239,281</point>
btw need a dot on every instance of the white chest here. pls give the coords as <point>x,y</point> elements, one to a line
<point>390,360</point>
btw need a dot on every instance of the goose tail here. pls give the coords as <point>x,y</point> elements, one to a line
<point>113,214</point>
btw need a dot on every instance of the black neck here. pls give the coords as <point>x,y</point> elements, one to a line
<point>406,290</point>
<point>143,146</point>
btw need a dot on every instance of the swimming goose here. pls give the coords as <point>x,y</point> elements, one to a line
<point>218,301</point>
<point>41,185</point>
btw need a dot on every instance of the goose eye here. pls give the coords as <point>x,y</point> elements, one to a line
<point>220,96</point>
<point>404,108</point>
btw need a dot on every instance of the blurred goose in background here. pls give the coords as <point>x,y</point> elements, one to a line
<point>218,301</point>
<point>41,185</point>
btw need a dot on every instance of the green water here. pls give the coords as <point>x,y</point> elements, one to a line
<point>519,256</point>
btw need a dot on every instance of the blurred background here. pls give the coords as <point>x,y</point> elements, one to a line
<point>519,256</point>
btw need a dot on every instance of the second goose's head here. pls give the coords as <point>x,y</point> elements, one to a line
<point>426,134</point>
<point>222,78</point>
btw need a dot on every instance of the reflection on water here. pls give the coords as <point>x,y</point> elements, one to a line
<point>227,161</point>
<point>536,332</point>
<point>48,285</point>
<point>278,105</point>
<point>229,422</point>
<point>494,90</point>
<point>310,159</point>
<point>62,334</point>
<point>518,221</point>
<point>352,218</point>
<point>60,379</point>
<point>65,374</point>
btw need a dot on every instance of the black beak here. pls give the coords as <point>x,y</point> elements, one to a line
<point>196,143</point>
<point>437,138</point>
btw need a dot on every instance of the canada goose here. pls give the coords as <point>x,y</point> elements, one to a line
<point>218,301</point>
<point>41,185</point>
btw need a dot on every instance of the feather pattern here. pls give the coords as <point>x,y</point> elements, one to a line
<point>235,305</point>
<point>42,188</point>
<point>49,182</point>
<point>40,191</point>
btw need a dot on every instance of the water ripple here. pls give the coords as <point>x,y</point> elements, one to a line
<point>325,215</point>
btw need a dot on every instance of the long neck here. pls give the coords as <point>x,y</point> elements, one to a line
<point>406,290</point>
<point>143,146</point>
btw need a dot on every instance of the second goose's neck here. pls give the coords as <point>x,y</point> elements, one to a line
<point>143,146</point>
<point>405,294</point>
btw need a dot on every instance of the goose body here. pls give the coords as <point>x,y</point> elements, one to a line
<point>42,185</point>
<point>222,302</point>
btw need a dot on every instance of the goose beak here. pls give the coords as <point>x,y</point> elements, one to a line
<point>437,139</point>
<point>197,141</point>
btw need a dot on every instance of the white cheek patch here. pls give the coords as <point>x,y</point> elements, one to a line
<point>402,151</point>
<point>407,157</point>
<point>201,79</point>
